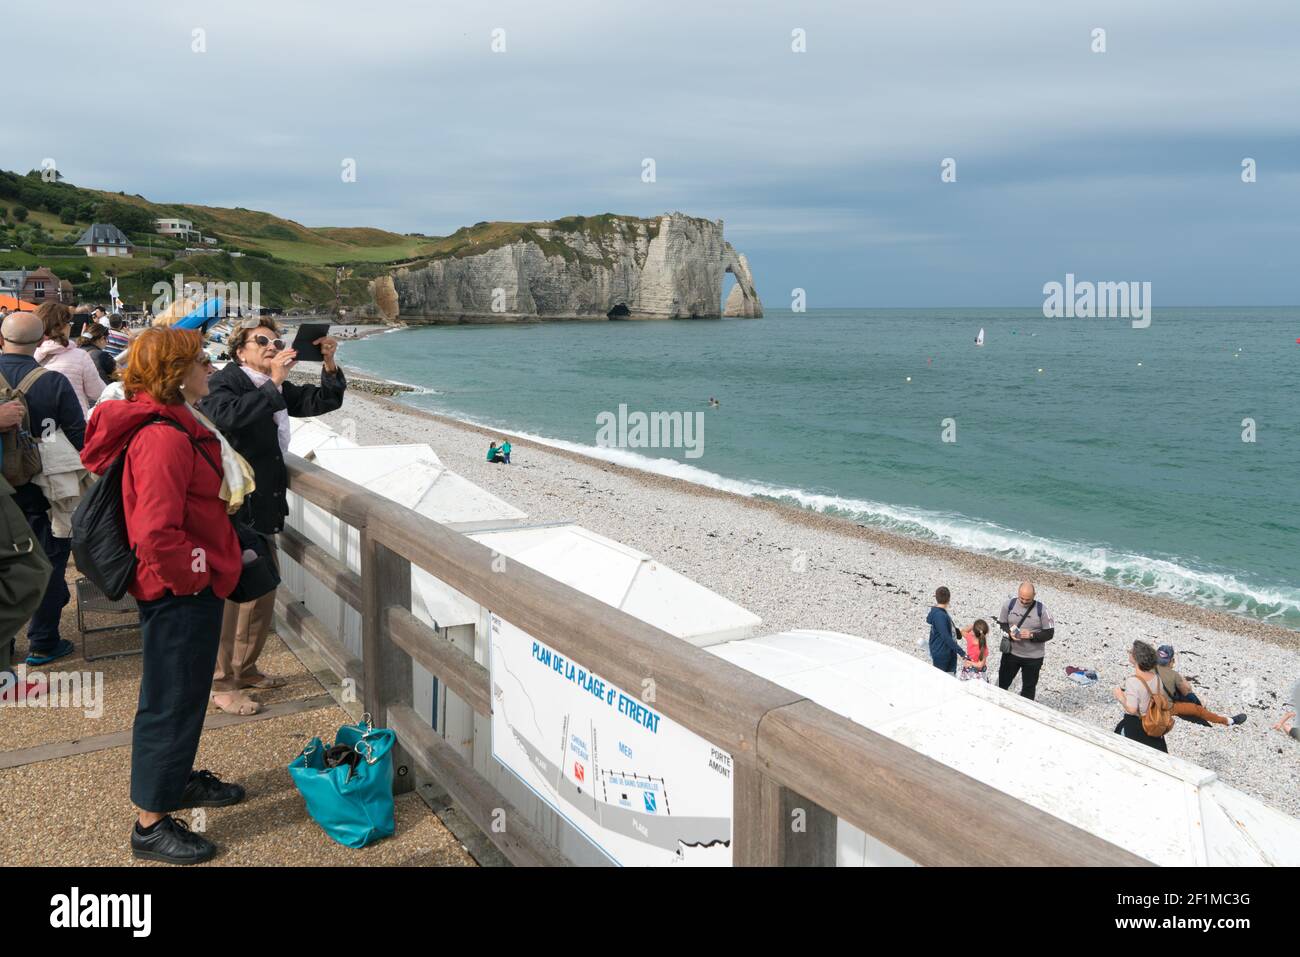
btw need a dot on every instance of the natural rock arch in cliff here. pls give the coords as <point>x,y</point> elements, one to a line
<point>742,301</point>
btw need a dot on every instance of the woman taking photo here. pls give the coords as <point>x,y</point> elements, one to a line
<point>250,401</point>
<point>187,561</point>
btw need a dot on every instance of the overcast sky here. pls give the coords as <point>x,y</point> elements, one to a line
<point>825,165</point>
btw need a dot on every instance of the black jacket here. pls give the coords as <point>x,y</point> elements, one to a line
<point>245,414</point>
<point>105,363</point>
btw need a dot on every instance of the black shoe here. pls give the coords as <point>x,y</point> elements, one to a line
<point>1238,719</point>
<point>172,842</point>
<point>205,789</point>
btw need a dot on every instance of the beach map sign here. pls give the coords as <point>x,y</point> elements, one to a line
<point>642,788</point>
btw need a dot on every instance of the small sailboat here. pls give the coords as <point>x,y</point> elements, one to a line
<point>979,340</point>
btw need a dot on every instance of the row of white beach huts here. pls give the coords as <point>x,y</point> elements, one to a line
<point>1160,807</point>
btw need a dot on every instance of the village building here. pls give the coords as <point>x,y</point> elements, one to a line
<point>105,239</point>
<point>30,285</point>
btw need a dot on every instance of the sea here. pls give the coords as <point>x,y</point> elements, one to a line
<point>1163,459</point>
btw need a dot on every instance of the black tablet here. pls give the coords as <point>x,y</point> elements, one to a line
<point>308,332</point>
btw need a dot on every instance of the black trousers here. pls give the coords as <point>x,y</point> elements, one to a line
<point>181,636</point>
<point>1028,668</point>
<point>1130,726</point>
<point>43,630</point>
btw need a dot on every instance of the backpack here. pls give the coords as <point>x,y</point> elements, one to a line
<point>99,543</point>
<point>1159,717</point>
<point>20,451</point>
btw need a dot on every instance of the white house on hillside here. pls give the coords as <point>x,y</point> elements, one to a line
<point>178,228</point>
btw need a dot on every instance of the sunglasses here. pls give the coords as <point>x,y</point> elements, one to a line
<point>264,342</point>
<point>204,360</point>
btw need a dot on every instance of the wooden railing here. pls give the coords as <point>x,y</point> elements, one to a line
<point>788,752</point>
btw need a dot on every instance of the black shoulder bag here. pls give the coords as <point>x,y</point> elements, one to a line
<point>1005,644</point>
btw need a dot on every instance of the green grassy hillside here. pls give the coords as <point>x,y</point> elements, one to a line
<point>295,264</point>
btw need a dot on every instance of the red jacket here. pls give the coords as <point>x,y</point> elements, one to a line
<point>170,495</point>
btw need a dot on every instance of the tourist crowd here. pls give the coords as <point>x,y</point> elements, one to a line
<point>106,431</point>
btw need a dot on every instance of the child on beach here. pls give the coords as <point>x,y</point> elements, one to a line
<point>944,649</point>
<point>977,652</point>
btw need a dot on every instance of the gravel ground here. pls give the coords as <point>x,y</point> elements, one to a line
<point>117,683</point>
<point>75,811</point>
<point>801,570</point>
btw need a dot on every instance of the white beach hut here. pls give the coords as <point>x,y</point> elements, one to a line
<point>411,475</point>
<point>1161,807</point>
<point>308,435</point>
<point>364,464</point>
<point>414,477</point>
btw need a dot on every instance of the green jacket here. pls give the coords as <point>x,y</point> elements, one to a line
<point>24,570</point>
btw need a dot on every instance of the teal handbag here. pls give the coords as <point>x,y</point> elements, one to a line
<point>351,801</point>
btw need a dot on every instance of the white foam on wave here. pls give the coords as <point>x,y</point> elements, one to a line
<point>1206,587</point>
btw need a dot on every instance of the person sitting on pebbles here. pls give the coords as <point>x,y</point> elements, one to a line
<point>1286,725</point>
<point>1186,704</point>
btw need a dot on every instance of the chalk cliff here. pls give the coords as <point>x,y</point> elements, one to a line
<point>595,267</point>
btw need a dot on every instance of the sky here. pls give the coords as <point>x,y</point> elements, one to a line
<point>1123,165</point>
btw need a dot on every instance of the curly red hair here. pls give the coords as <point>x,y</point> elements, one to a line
<point>158,361</point>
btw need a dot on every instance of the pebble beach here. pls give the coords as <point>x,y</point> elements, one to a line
<point>800,569</point>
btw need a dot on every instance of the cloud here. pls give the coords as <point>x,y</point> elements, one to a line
<point>811,158</point>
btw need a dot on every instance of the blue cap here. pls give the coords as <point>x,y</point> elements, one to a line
<point>1165,654</point>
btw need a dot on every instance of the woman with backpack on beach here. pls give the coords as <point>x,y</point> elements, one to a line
<point>1148,712</point>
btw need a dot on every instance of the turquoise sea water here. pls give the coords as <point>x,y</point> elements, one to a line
<point>1121,460</point>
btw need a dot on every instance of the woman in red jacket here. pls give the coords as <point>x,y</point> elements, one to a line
<point>187,562</point>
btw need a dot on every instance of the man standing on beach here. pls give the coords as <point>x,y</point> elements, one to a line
<point>1026,626</point>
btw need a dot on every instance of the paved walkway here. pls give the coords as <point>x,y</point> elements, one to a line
<point>64,773</point>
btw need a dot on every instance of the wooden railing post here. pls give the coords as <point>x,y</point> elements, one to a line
<point>385,581</point>
<point>773,826</point>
